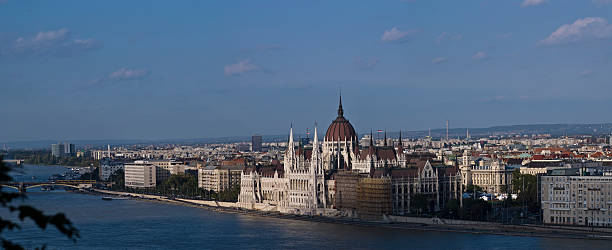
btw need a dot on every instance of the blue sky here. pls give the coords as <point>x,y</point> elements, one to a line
<point>193,69</point>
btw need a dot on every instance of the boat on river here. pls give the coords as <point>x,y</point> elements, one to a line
<point>110,198</point>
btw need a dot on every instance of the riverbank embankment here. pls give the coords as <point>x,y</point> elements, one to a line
<point>394,222</point>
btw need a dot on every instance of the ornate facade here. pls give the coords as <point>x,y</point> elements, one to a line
<point>299,187</point>
<point>493,176</point>
<point>306,183</point>
<point>435,185</point>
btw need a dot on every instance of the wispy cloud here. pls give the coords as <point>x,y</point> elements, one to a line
<point>366,63</point>
<point>528,3</point>
<point>444,36</point>
<point>119,75</point>
<point>396,35</point>
<point>126,74</point>
<point>438,60</point>
<point>241,67</point>
<point>581,30</point>
<point>85,43</point>
<point>586,72</point>
<point>52,42</point>
<point>480,55</point>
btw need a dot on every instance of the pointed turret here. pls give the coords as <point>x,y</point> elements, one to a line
<point>289,153</point>
<point>400,138</point>
<point>371,139</point>
<point>401,158</point>
<point>400,144</point>
<point>315,140</point>
<point>340,110</point>
<point>385,142</point>
<point>315,157</point>
<point>290,144</point>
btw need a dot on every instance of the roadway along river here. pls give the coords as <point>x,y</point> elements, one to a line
<point>136,224</point>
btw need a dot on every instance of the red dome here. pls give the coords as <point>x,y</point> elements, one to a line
<point>340,129</point>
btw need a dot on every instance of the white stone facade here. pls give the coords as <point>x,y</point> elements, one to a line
<point>577,200</point>
<point>300,190</point>
<point>494,177</point>
<point>140,174</point>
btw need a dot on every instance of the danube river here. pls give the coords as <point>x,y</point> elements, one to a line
<point>137,224</point>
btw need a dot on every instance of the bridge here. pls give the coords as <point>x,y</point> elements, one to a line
<point>23,186</point>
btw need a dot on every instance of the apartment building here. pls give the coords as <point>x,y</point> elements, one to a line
<point>166,168</point>
<point>140,174</point>
<point>219,178</point>
<point>577,200</point>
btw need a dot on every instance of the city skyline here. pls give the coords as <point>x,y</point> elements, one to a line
<point>75,70</point>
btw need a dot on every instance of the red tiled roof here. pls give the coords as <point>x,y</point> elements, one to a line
<point>340,130</point>
<point>265,171</point>
<point>381,153</point>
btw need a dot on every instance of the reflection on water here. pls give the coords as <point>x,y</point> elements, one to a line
<point>134,224</point>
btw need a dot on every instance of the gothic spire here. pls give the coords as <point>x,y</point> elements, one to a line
<point>290,144</point>
<point>385,142</point>
<point>315,142</point>
<point>340,110</point>
<point>290,152</point>
<point>400,138</point>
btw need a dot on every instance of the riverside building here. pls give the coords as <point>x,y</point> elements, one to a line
<point>337,176</point>
<point>145,174</point>
<point>219,178</point>
<point>571,199</point>
<point>166,168</point>
<point>140,174</point>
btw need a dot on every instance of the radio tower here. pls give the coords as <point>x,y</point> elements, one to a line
<point>446,130</point>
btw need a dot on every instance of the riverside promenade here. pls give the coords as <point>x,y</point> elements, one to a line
<point>393,222</point>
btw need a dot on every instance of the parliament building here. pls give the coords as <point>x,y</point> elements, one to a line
<point>337,176</point>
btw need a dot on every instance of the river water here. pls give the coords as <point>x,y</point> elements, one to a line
<point>136,224</point>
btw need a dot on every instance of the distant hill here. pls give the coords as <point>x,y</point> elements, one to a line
<point>552,129</point>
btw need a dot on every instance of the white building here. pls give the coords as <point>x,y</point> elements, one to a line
<point>219,178</point>
<point>301,187</point>
<point>577,200</point>
<point>493,176</point>
<point>140,174</point>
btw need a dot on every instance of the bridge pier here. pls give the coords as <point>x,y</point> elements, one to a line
<point>21,188</point>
